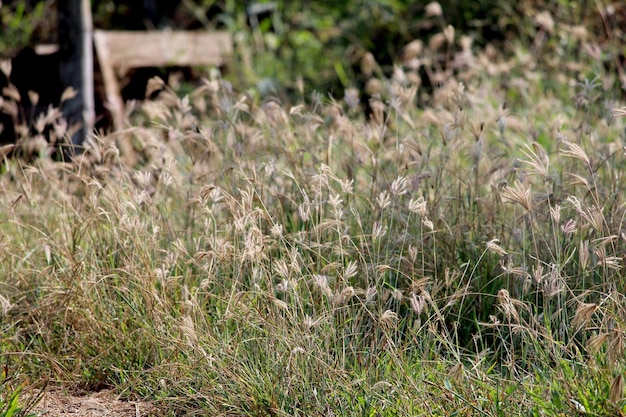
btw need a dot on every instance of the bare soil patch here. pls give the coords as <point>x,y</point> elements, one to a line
<point>56,402</point>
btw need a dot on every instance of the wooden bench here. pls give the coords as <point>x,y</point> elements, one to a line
<point>120,51</point>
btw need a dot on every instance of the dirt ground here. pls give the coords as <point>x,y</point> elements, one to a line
<point>56,402</point>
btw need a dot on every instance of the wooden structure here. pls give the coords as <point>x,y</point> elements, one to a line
<point>120,51</point>
<point>117,52</point>
<point>76,68</point>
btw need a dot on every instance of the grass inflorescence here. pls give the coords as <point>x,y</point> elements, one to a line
<point>272,259</point>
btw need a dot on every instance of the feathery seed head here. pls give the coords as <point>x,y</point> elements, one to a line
<point>350,270</point>
<point>583,255</point>
<point>555,213</point>
<point>383,200</point>
<point>309,322</point>
<point>507,306</point>
<point>277,230</point>
<point>418,206</point>
<point>583,314</point>
<point>418,302</point>
<point>5,66</point>
<point>433,9</point>
<point>352,98</point>
<point>397,295</point>
<point>553,283</point>
<point>413,50</point>
<point>378,230</point>
<point>493,246</point>
<point>368,64</point>
<point>347,186</point>
<point>537,160</point>
<point>518,194</point>
<point>399,186</point>
<point>304,210</point>
<point>370,294</point>
<point>545,21</point>
<point>5,305</point>
<point>569,227</point>
<point>595,343</point>
<point>575,151</point>
<point>280,268</point>
<point>283,286</point>
<point>321,282</point>
<point>412,253</point>
<point>616,391</point>
<point>341,298</point>
<point>389,318</point>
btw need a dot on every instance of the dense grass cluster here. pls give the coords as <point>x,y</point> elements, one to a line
<point>274,259</point>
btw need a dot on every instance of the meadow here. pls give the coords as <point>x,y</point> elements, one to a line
<point>459,251</point>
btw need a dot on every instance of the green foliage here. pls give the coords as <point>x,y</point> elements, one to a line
<point>324,42</point>
<point>10,405</point>
<point>18,22</point>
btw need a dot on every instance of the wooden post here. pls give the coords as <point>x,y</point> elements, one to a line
<point>76,68</point>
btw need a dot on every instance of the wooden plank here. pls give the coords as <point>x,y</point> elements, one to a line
<point>128,49</point>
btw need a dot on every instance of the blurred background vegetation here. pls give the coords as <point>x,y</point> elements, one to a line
<point>284,45</point>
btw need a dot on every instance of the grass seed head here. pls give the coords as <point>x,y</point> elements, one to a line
<point>595,343</point>
<point>569,227</point>
<point>321,282</point>
<point>378,231</point>
<point>383,200</point>
<point>583,314</point>
<point>350,270</point>
<point>412,254</point>
<point>553,283</point>
<point>5,305</point>
<point>493,246</point>
<point>429,224</point>
<point>342,297</point>
<point>399,186</point>
<point>616,391</point>
<point>389,318</point>
<point>418,206</point>
<point>518,194</point>
<point>5,67</point>
<point>418,302</point>
<point>370,294</point>
<point>507,306</point>
<point>574,150</point>
<point>583,255</point>
<point>433,9</point>
<point>615,346</point>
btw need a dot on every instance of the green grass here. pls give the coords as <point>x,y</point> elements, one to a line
<point>268,259</point>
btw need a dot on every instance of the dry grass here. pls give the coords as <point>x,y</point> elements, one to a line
<point>300,260</point>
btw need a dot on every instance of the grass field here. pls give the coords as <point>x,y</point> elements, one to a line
<point>463,257</point>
